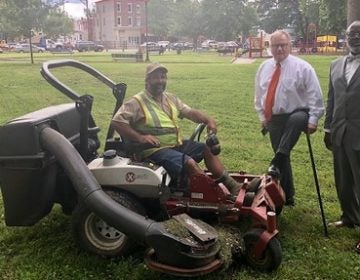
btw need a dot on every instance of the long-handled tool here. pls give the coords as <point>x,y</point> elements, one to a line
<point>316,183</point>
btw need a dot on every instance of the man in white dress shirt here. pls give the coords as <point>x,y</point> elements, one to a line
<point>342,128</point>
<point>297,105</point>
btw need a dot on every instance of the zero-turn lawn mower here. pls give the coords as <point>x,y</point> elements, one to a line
<point>116,202</point>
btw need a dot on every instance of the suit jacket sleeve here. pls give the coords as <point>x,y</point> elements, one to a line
<point>330,105</point>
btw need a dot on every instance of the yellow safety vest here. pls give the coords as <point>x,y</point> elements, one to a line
<point>158,123</point>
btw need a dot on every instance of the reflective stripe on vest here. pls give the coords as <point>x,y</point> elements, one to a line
<point>158,123</point>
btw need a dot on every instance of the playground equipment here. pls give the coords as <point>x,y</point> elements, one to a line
<point>326,44</point>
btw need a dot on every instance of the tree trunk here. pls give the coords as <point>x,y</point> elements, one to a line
<point>353,11</point>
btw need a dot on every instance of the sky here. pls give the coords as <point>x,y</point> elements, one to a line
<point>75,9</point>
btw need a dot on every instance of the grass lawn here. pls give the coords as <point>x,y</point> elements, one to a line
<point>208,82</point>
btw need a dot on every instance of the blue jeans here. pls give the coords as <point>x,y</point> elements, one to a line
<point>174,159</point>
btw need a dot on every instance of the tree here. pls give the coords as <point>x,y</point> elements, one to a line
<point>223,20</point>
<point>329,16</point>
<point>161,17</point>
<point>227,19</point>
<point>278,14</point>
<point>21,18</point>
<point>187,20</point>
<point>332,17</point>
<point>308,14</point>
<point>57,24</point>
<point>353,11</point>
<point>89,14</point>
<point>24,16</point>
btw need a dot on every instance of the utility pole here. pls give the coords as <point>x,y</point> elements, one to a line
<point>146,31</point>
<point>87,14</point>
<point>353,11</point>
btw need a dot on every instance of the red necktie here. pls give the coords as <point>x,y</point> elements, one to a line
<point>270,97</point>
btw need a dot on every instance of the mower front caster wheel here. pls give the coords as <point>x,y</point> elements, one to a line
<point>270,258</point>
<point>95,236</point>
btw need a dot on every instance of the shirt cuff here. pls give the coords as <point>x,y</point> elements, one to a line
<point>313,120</point>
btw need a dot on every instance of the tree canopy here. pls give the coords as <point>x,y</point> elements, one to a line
<point>221,20</point>
<point>227,19</point>
<point>20,17</point>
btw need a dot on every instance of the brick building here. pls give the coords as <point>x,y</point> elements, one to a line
<point>120,23</point>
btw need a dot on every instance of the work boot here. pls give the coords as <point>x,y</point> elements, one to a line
<point>230,183</point>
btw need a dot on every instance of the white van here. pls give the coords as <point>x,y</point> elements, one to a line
<point>163,44</point>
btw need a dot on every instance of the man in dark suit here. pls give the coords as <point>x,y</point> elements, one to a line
<point>342,128</point>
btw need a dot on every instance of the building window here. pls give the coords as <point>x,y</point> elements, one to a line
<point>103,8</point>
<point>138,21</point>
<point>104,22</point>
<point>118,6</point>
<point>134,40</point>
<point>138,9</point>
<point>130,21</point>
<point>119,21</point>
<point>129,7</point>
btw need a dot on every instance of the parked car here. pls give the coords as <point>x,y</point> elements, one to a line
<point>163,44</point>
<point>12,45</point>
<point>227,47</point>
<point>209,44</point>
<point>25,48</point>
<point>151,46</point>
<point>83,46</point>
<point>49,44</point>
<point>177,46</point>
<point>188,45</point>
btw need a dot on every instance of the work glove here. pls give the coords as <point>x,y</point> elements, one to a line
<point>327,141</point>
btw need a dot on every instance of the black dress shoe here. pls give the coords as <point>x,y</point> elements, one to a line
<point>341,223</point>
<point>357,248</point>
<point>273,171</point>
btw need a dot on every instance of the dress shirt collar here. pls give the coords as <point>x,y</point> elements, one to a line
<point>282,63</point>
<point>352,57</point>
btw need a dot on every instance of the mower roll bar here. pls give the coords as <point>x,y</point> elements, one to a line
<point>118,90</point>
<point>48,76</point>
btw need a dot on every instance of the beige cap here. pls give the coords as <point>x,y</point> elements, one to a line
<point>155,66</point>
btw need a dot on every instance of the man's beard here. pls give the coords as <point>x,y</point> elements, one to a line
<point>354,49</point>
<point>157,89</point>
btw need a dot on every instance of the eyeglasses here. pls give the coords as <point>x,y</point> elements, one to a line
<point>353,34</point>
<point>276,46</point>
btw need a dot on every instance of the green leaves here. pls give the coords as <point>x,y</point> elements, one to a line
<point>18,17</point>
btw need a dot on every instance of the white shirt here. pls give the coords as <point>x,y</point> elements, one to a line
<point>351,67</point>
<point>298,87</point>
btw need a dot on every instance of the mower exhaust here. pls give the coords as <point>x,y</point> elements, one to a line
<point>180,246</point>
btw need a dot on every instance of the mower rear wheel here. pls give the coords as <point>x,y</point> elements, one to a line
<point>94,235</point>
<point>271,256</point>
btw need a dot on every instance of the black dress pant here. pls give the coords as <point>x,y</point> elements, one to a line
<point>284,131</point>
